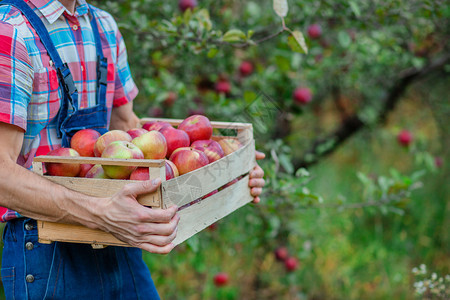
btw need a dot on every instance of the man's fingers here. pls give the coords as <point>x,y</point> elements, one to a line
<point>163,229</point>
<point>260,182</point>
<point>255,192</point>
<point>138,188</point>
<point>158,215</point>
<point>256,200</point>
<point>157,249</point>
<point>257,172</point>
<point>260,155</point>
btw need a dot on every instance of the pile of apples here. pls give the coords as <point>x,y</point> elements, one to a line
<point>185,148</point>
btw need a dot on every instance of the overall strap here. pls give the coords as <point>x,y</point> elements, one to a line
<point>102,62</point>
<point>65,77</point>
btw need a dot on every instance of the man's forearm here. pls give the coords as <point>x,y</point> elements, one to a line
<point>33,196</point>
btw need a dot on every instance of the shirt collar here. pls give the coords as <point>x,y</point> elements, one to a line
<point>53,9</point>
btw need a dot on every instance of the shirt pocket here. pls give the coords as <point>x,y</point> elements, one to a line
<point>45,99</point>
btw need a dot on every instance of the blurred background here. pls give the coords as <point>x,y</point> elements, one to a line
<point>350,103</point>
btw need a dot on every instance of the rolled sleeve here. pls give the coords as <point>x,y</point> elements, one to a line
<point>125,88</point>
<point>16,77</point>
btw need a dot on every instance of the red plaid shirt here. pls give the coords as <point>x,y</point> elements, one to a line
<point>29,93</point>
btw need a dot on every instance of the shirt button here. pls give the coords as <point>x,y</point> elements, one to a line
<point>28,226</point>
<point>75,27</point>
<point>50,63</point>
<point>29,278</point>
<point>29,246</point>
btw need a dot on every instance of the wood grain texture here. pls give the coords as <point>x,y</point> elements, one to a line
<point>215,124</point>
<point>193,185</point>
<point>104,188</point>
<point>58,232</point>
<point>200,215</point>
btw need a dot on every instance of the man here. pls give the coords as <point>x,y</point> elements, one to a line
<point>39,111</point>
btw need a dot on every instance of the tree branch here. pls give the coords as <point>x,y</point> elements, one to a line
<point>327,145</point>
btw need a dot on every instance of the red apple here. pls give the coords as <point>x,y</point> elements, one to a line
<point>135,132</point>
<point>155,125</point>
<point>171,170</point>
<point>170,99</point>
<point>405,138</point>
<point>187,4</point>
<point>314,31</point>
<point>438,161</point>
<point>228,184</point>
<point>122,150</point>
<point>153,144</point>
<point>212,149</point>
<point>83,142</point>
<point>210,194</point>
<point>84,168</point>
<point>291,264</point>
<point>108,138</point>
<point>221,279</point>
<point>223,87</point>
<point>63,169</point>
<point>189,160</point>
<point>141,173</point>
<point>96,172</point>
<point>229,145</point>
<point>281,253</point>
<point>212,227</point>
<point>246,68</point>
<point>175,138</point>
<point>302,95</point>
<point>178,150</point>
<point>197,127</point>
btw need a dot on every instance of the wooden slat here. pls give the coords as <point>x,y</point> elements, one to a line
<point>215,124</point>
<point>245,135</point>
<point>104,188</point>
<point>155,163</point>
<point>49,231</point>
<point>193,219</point>
<point>191,186</point>
<point>221,137</point>
<point>200,215</point>
<point>37,168</point>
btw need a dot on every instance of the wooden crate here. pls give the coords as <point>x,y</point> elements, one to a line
<point>184,191</point>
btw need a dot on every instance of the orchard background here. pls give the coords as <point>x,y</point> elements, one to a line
<point>350,103</point>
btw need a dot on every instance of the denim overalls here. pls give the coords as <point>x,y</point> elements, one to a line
<point>31,270</point>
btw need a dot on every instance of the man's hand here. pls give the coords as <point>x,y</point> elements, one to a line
<point>151,229</point>
<point>123,117</point>
<point>256,182</point>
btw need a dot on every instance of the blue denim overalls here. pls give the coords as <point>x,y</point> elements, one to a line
<point>31,270</point>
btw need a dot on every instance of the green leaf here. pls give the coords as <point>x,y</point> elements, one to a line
<point>355,8</point>
<point>344,39</point>
<point>302,172</point>
<point>285,161</point>
<point>193,243</point>
<point>212,52</point>
<point>234,35</point>
<point>204,19</point>
<point>297,42</point>
<point>281,7</point>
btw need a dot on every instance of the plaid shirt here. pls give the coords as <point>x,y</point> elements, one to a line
<point>29,90</point>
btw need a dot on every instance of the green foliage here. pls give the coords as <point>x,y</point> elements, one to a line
<point>358,221</point>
